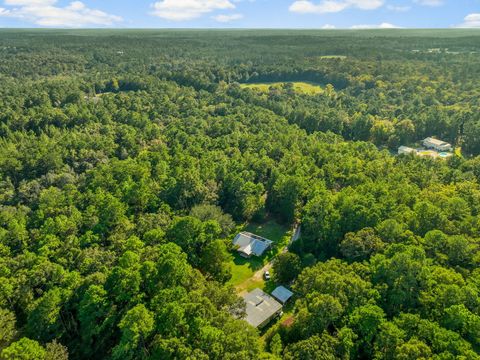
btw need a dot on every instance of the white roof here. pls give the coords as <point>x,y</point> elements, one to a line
<point>406,149</point>
<point>435,142</point>
<point>282,294</point>
<point>251,244</point>
<point>260,307</point>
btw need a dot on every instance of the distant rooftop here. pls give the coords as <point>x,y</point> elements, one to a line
<point>261,308</point>
<point>406,149</point>
<point>435,142</point>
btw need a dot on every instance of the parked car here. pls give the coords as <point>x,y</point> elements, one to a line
<point>266,275</point>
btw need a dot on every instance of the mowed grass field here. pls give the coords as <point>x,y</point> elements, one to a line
<point>244,269</point>
<point>298,86</point>
<point>333,57</point>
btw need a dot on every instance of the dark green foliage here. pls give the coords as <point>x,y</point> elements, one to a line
<point>207,212</point>
<point>286,267</point>
<point>360,245</point>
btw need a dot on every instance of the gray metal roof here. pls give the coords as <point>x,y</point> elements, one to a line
<point>282,294</point>
<point>251,244</point>
<point>261,307</point>
<point>435,142</point>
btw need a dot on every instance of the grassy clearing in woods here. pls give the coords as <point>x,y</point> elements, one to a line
<point>243,270</point>
<point>298,87</point>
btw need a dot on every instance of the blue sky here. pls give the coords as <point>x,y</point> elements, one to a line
<point>315,14</point>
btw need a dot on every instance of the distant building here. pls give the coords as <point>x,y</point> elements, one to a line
<point>261,308</point>
<point>250,244</point>
<point>436,144</point>
<point>282,294</point>
<point>406,150</point>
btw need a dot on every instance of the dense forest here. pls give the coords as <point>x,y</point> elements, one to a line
<point>129,160</point>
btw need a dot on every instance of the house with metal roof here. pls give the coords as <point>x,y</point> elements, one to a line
<point>261,308</point>
<point>282,294</point>
<point>406,150</point>
<point>439,145</point>
<point>249,244</point>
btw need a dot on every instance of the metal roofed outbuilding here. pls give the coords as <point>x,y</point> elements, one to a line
<point>282,294</point>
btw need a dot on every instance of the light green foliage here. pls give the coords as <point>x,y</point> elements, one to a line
<point>296,86</point>
<point>365,321</point>
<point>24,349</point>
<point>276,346</point>
<point>413,349</point>
<point>136,326</point>
<point>7,330</point>
<point>56,351</point>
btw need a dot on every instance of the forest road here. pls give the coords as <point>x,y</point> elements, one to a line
<point>258,275</point>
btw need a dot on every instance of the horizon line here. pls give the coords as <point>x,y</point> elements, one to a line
<point>236,29</point>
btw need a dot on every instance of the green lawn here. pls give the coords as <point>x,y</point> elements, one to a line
<point>244,269</point>
<point>338,57</point>
<point>270,230</point>
<point>298,86</point>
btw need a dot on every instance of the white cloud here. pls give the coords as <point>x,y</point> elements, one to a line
<point>29,2</point>
<point>223,18</point>
<point>399,8</point>
<point>429,2</point>
<point>45,13</point>
<point>182,10</point>
<point>471,21</point>
<point>333,6</point>
<point>328,27</point>
<point>384,25</point>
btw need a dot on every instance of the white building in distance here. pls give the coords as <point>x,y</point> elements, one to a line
<point>439,145</point>
<point>406,150</point>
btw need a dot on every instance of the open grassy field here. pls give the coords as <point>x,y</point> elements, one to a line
<point>243,270</point>
<point>298,86</point>
<point>270,230</point>
<point>328,57</point>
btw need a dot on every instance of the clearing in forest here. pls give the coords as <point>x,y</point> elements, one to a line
<point>298,86</point>
<point>333,57</point>
<point>247,274</point>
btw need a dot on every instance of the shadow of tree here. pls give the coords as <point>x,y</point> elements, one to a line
<point>254,263</point>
